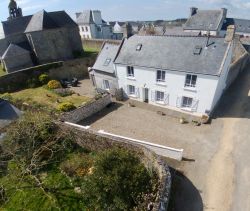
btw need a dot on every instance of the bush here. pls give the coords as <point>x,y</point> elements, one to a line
<point>54,84</point>
<point>64,92</point>
<point>7,97</point>
<point>66,107</point>
<point>118,182</point>
<point>44,79</point>
<point>32,83</point>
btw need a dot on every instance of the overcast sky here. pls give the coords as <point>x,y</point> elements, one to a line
<point>131,9</point>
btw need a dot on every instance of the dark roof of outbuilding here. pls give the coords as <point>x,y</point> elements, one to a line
<point>14,50</point>
<point>16,25</point>
<point>39,21</point>
<point>241,25</point>
<point>109,51</point>
<point>205,20</point>
<point>174,53</point>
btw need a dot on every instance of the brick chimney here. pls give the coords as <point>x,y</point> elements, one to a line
<point>230,33</point>
<point>193,11</point>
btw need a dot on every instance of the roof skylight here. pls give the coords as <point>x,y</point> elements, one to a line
<point>197,50</point>
<point>107,62</point>
<point>138,47</point>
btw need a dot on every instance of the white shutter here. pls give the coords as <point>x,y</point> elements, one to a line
<point>137,92</point>
<point>152,95</point>
<point>195,105</point>
<point>178,102</point>
<point>166,98</point>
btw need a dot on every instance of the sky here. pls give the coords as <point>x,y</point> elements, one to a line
<point>131,9</point>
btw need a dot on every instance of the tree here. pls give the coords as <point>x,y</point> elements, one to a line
<point>118,181</point>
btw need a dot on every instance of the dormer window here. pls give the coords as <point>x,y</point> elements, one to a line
<point>107,62</point>
<point>138,47</point>
<point>130,72</point>
<point>197,50</point>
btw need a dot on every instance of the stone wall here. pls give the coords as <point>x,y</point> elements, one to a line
<point>92,141</point>
<point>96,43</point>
<point>87,110</point>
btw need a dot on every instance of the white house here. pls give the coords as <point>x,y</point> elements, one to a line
<point>92,26</point>
<point>186,74</point>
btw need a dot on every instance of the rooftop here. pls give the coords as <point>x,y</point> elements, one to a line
<point>175,53</point>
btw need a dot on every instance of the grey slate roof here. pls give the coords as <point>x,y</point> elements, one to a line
<point>174,53</point>
<point>241,25</point>
<point>85,17</point>
<point>8,113</point>
<point>205,20</point>
<point>40,21</point>
<point>14,50</point>
<point>16,25</point>
<point>108,51</point>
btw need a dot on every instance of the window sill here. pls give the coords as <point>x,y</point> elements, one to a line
<point>132,95</point>
<point>186,109</point>
<point>160,102</point>
<point>161,84</point>
<point>192,89</point>
<point>131,78</point>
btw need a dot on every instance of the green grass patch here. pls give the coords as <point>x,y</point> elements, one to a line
<point>2,72</point>
<point>46,97</point>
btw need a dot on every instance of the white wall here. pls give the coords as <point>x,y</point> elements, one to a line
<point>86,34</point>
<point>174,87</point>
<point>212,33</point>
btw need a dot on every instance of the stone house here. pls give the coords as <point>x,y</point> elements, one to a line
<point>92,26</point>
<point>183,73</point>
<point>38,39</point>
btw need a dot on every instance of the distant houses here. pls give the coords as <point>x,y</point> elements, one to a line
<point>37,39</point>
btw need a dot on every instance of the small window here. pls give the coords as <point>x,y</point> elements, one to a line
<point>190,80</point>
<point>187,102</point>
<point>82,28</point>
<point>106,85</point>
<point>130,71</point>
<point>161,76</point>
<point>107,62</point>
<point>159,96</point>
<point>197,50</point>
<point>87,29</point>
<point>131,90</point>
<point>139,46</point>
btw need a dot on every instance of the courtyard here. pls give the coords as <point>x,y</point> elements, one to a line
<point>214,172</point>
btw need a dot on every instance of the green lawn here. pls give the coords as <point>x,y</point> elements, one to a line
<point>2,72</point>
<point>47,97</point>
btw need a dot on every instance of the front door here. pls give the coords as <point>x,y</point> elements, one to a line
<point>146,92</point>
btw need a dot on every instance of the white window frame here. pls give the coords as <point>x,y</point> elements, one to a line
<point>189,103</point>
<point>130,87</point>
<point>161,96</point>
<point>130,72</point>
<point>189,82</point>
<point>161,79</point>
<point>106,84</point>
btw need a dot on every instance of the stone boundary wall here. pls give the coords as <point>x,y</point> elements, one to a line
<point>93,141</point>
<point>241,58</point>
<point>87,110</point>
<point>58,70</point>
<point>97,43</point>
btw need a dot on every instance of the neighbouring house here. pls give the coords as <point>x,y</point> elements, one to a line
<point>92,26</point>
<point>205,22</point>
<point>183,73</point>
<point>122,30</point>
<point>37,39</point>
<point>242,26</point>
<point>103,73</point>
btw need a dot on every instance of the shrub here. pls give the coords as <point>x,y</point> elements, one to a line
<point>7,97</point>
<point>54,84</point>
<point>118,182</point>
<point>66,107</point>
<point>44,79</point>
<point>64,92</point>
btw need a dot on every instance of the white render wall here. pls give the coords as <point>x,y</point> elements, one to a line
<point>174,87</point>
<point>212,33</point>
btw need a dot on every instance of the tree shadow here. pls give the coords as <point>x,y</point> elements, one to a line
<point>184,195</point>
<point>235,103</point>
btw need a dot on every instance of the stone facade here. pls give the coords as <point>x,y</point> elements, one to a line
<point>87,110</point>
